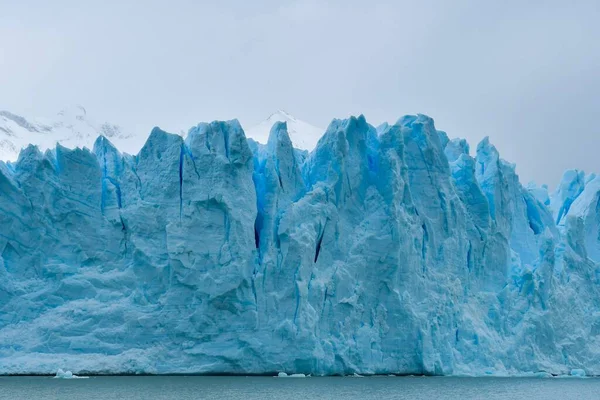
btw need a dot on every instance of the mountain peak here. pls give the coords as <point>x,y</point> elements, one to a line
<point>77,111</point>
<point>281,115</point>
<point>303,135</point>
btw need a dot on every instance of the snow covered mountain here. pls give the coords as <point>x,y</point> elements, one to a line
<point>71,127</point>
<point>389,250</point>
<point>304,136</point>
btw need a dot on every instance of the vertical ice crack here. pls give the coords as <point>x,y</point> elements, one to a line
<point>124,230</point>
<point>253,283</point>
<point>469,255</point>
<point>103,186</point>
<point>424,245</point>
<point>324,301</point>
<point>319,242</point>
<point>296,273</point>
<point>181,155</point>
<point>187,151</point>
<point>226,142</point>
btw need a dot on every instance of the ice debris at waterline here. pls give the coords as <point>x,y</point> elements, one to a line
<point>578,373</point>
<point>285,375</point>
<point>61,374</point>
<point>388,250</point>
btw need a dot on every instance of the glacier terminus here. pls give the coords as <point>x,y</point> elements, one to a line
<point>385,250</point>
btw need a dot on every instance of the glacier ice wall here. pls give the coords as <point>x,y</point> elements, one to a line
<point>388,250</point>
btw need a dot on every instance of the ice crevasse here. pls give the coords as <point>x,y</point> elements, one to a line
<point>384,250</point>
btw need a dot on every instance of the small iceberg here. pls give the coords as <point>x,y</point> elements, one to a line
<point>579,373</point>
<point>284,375</point>
<point>61,374</point>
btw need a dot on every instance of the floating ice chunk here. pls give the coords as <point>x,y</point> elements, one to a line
<point>284,375</point>
<point>578,373</point>
<point>61,374</point>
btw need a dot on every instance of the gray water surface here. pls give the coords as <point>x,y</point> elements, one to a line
<point>248,388</point>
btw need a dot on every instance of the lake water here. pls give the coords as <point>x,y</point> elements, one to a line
<point>248,388</point>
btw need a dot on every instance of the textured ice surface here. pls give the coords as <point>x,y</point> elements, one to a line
<point>388,250</point>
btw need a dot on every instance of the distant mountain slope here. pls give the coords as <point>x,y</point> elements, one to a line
<point>303,135</point>
<point>71,127</point>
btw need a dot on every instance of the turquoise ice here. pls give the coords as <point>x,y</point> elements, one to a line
<point>384,250</point>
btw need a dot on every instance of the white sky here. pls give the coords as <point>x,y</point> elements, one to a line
<point>526,73</point>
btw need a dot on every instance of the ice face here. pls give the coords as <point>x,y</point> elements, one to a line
<point>384,250</point>
<point>570,187</point>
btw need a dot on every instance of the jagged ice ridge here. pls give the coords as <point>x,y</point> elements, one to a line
<point>384,250</point>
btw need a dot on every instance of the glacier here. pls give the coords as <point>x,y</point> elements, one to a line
<point>388,250</point>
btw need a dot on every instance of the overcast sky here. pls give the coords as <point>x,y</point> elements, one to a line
<point>525,73</point>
